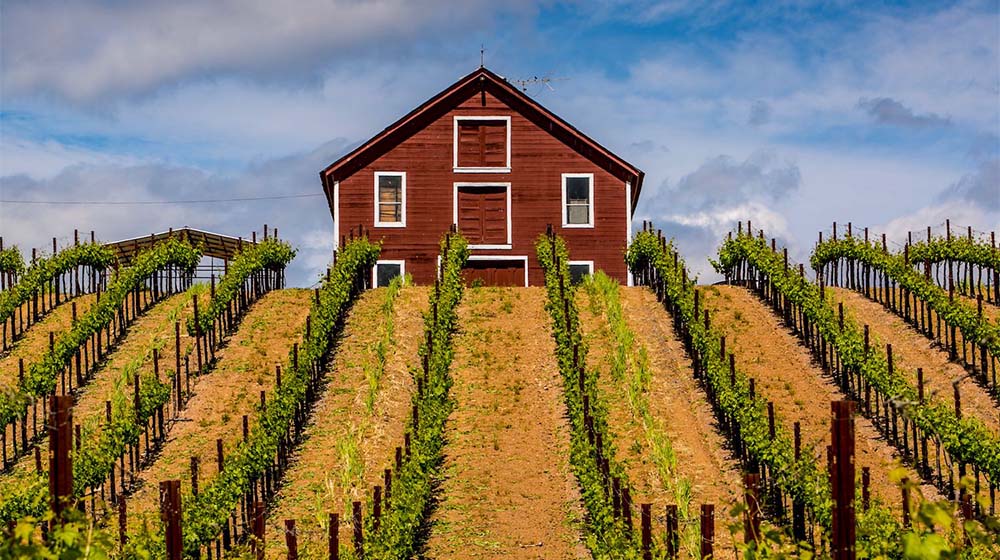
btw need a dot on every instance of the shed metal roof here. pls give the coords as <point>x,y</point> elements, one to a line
<point>215,245</point>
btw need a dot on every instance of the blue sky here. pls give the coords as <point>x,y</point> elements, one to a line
<point>792,114</point>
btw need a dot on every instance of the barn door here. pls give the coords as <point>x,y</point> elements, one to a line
<point>500,272</point>
<point>482,214</point>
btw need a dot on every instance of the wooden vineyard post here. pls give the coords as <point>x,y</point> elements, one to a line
<point>707,530</point>
<point>60,445</point>
<point>334,536</point>
<point>376,507</point>
<point>866,477</point>
<point>798,507</point>
<point>194,475</point>
<point>905,484</point>
<point>672,538</point>
<point>359,536</point>
<point>177,365</point>
<point>122,524</point>
<point>958,400</point>
<point>291,540</point>
<point>170,510</point>
<point>257,546</point>
<point>647,532</point>
<point>842,480</point>
<point>751,522</point>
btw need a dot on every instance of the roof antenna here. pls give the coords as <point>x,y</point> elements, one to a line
<point>482,55</point>
<point>543,80</point>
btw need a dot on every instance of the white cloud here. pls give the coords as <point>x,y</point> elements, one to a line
<point>86,50</point>
<point>45,159</point>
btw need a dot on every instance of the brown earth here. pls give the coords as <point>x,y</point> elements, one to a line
<point>676,404</point>
<point>246,366</point>
<point>990,313</point>
<point>911,349</point>
<point>508,491</point>
<point>155,329</point>
<point>35,342</point>
<point>676,397</point>
<point>347,447</point>
<point>787,375</point>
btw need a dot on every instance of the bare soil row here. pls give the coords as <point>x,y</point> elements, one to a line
<point>347,445</point>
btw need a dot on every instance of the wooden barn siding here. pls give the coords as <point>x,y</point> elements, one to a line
<point>538,161</point>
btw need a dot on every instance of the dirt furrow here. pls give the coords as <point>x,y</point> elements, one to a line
<point>675,402</point>
<point>676,398</point>
<point>786,374</point>
<point>347,445</point>
<point>35,342</point>
<point>246,366</point>
<point>508,491</point>
<point>155,329</point>
<point>912,350</point>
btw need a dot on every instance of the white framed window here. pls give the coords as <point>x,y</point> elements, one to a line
<point>578,270</point>
<point>390,199</point>
<point>482,144</point>
<point>578,200</point>
<point>482,213</point>
<point>385,270</point>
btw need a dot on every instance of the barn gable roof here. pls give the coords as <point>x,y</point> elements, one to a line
<point>481,79</point>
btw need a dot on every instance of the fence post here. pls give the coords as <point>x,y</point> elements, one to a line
<point>842,480</point>
<point>60,445</point>
<point>257,546</point>
<point>647,532</point>
<point>707,530</point>
<point>291,540</point>
<point>672,538</point>
<point>334,536</point>
<point>170,511</point>
<point>359,536</point>
<point>751,523</point>
<point>905,483</point>
<point>122,523</point>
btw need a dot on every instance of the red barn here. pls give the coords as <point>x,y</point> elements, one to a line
<point>484,156</point>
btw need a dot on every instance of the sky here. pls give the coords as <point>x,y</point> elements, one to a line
<point>791,114</point>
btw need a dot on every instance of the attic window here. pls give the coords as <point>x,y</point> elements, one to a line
<point>482,144</point>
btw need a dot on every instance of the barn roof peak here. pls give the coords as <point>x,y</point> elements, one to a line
<point>480,79</point>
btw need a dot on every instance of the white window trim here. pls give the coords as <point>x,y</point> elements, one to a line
<point>458,169</point>
<point>629,280</point>
<point>402,269</point>
<point>402,214</point>
<point>336,215</point>
<point>590,209</point>
<point>590,265</point>
<point>454,212</point>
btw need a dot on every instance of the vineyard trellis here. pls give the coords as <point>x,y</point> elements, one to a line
<point>967,262</point>
<point>762,444</point>
<point>11,266</point>
<point>31,293</point>
<point>901,412</point>
<point>890,279</point>
<point>398,508</point>
<point>221,512</point>
<point>108,453</point>
<point>79,352</point>
<point>603,480</point>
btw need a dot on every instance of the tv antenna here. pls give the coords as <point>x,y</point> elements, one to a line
<point>546,81</point>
